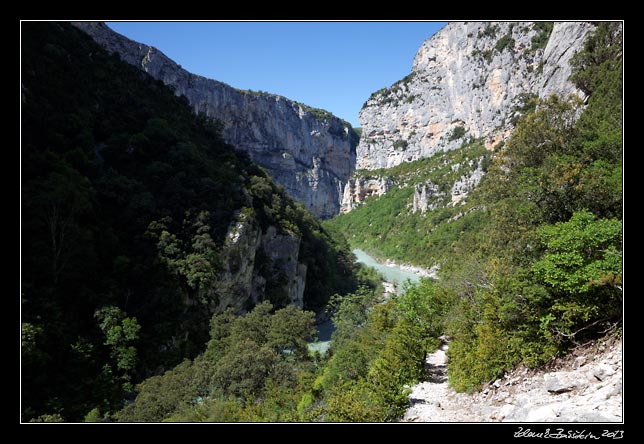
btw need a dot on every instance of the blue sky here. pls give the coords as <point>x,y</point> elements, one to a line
<point>329,65</point>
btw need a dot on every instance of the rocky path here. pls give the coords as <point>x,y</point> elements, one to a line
<point>584,386</point>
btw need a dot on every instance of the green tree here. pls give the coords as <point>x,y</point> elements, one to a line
<point>291,328</point>
<point>602,49</point>
<point>55,417</point>
<point>121,333</point>
<point>350,312</point>
<point>245,368</point>
<point>93,415</point>
<point>160,396</point>
<point>31,351</point>
<point>550,130</point>
<point>353,403</point>
<point>582,267</point>
<point>254,325</point>
<point>192,257</point>
<point>425,306</point>
<point>349,363</point>
<point>401,362</point>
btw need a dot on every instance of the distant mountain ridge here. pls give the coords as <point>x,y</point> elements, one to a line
<point>308,151</point>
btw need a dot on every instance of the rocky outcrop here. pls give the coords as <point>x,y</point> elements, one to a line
<point>256,263</point>
<point>359,188</point>
<point>422,194</point>
<point>466,183</point>
<point>308,151</point>
<point>468,81</point>
<point>427,196</point>
<point>285,272</point>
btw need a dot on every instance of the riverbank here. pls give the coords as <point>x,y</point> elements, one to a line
<point>392,272</point>
<point>324,331</point>
<point>424,272</point>
<point>395,275</point>
<point>367,259</point>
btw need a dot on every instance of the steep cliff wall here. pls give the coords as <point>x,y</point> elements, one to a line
<point>258,264</point>
<point>468,80</point>
<point>310,152</point>
<point>359,188</point>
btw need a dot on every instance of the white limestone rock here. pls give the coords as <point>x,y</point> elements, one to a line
<point>311,155</point>
<point>464,84</point>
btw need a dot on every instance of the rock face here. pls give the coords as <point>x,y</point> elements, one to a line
<point>309,152</point>
<point>359,188</point>
<point>421,194</point>
<point>466,183</point>
<point>468,80</point>
<point>258,264</point>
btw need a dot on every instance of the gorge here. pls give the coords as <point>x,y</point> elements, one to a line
<point>182,240</point>
<point>469,80</point>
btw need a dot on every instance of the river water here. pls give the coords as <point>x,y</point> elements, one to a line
<point>392,274</point>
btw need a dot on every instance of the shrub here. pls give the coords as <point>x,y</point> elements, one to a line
<point>540,40</point>
<point>400,144</point>
<point>505,42</point>
<point>489,31</point>
<point>457,133</point>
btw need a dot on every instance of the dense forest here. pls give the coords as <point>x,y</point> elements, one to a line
<point>128,197</point>
<point>126,201</point>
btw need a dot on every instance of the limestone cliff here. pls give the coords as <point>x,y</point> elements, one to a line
<point>257,265</point>
<point>359,188</point>
<point>308,151</point>
<point>468,81</point>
